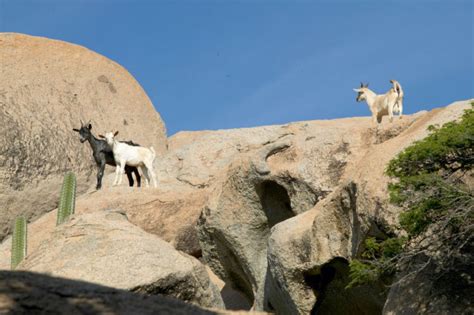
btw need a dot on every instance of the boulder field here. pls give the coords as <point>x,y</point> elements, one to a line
<point>274,214</point>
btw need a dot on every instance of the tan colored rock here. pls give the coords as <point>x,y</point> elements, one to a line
<point>283,174</point>
<point>333,231</point>
<point>170,215</point>
<point>279,207</point>
<point>46,88</point>
<point>105,248</point>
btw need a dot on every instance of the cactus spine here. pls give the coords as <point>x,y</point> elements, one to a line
<point>67,201</point>
<point>18,242</point>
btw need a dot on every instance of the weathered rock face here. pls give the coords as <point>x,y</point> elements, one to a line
<point>27,293</point>
<point>302,248</point>
<point>105,248</point>
<point>172,215</point>
<point>283,175</point>
<point>279,211</point>
<point>46,88</point>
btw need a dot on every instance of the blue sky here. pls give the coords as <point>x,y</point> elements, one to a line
<point>229,64</point>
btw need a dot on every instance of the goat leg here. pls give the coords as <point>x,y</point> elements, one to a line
<point>121,171</point>
<point>137,176</point>
<point>100,174</point>
<point>117,171</point>
<point>128,171</point>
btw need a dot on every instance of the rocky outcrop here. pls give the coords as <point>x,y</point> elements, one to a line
<point>104,248</point>
<point>46,88</point>
<point>33,293</point>
<point>290,171</point>
<point>256,178</point>
<point>307,252</point>
<point>276,212</point>
<point>170,214</point>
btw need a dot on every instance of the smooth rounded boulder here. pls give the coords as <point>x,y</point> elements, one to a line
<point>46,88</point>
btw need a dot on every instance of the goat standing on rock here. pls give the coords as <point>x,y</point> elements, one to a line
<point>103,155</point>
<point>384,104</point>
<point>127,155</point>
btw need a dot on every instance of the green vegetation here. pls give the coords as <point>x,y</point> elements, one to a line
<point>433,183</point>
<point>67,200</point>
<point>65,209</point>
<point>18,242</point>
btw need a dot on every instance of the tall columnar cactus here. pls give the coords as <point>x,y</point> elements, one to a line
<point>18,241</point>
<point>67,202</point>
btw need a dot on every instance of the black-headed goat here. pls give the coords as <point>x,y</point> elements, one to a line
<point>103,155</point>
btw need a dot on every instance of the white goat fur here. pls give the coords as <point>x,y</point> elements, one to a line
<point>125,154</point>
<point>398,107</point>
<point>383,104</point>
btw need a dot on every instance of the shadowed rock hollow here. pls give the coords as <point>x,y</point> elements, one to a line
<point>28,293</point>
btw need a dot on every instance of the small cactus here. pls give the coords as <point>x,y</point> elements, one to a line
<point>67,200</point>
<point>18,241</point>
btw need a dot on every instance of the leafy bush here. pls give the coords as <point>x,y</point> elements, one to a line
<point>429,184</point>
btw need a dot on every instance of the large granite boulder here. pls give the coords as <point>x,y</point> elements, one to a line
<point>46,88</point>
<point>103,247</point>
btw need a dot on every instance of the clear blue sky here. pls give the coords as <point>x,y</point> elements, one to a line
<point>227,64</point>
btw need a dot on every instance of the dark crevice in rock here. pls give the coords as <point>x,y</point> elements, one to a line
<point>234,299</point>
<point>275,202</point>
<point>235,274</point>
<point>269,307</point>
<point>329,285</point>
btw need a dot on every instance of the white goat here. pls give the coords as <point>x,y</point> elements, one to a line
<point>399,104</point>
<point>383,104</point>
<point>125,154</point>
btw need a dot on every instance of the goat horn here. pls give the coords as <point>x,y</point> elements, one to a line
<point>82,123</point>
<point>361,84</point>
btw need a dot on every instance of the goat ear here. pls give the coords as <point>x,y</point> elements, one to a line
<point>116,133</point>
<point>90,127</point>
<point>76,130</point>
<point>101,136</point>
<point>357,90</point>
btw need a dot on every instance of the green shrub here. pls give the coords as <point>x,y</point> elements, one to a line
<point>428,187</point>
